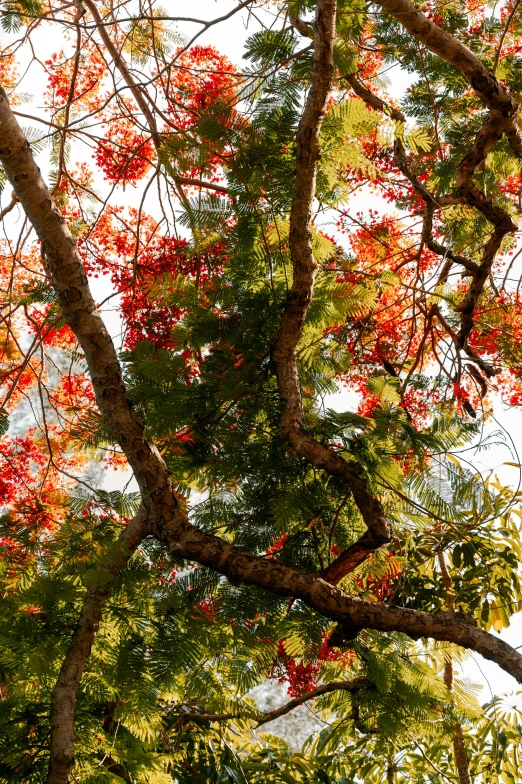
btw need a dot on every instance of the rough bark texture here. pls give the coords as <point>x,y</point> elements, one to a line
<point>352,612</point>
<point>70,282</point>
<point>292,322</point>
<point>441,43</point>
<point>459,743</point>
<point>461,756</point>
<point>500,121</point>
<point>63,699</point>
<point>79,310</point>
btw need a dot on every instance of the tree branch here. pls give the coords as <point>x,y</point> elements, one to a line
<point>116,769</point>
<point>293,319</point>
<point>459,744</point>
<point>352,612</point>
<point>441,43</point>
<point>212,186</point>
<point>63,698</point>
<point>10,207</point>
<point>491,131</point>
<point>352,686</point>
<point>79,311</point>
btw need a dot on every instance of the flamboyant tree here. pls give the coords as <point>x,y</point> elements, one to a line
<point>268,233</point>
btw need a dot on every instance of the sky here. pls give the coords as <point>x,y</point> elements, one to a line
<point>229,37</point>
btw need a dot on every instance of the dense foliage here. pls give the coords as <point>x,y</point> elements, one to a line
<point>181,175</point>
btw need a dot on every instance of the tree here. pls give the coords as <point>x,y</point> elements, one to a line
<point>355,556</point>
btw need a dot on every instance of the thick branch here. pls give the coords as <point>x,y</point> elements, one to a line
<point>468,304</point>
<point>373,100</point>
<point>501,103</point>
<point>441,43</point>
<point>461,755</point>
<point>302,28</point>
<point>351,612</point>
<point>456,258</point>
<point>483,81</point>
<point>212,186</point>
<point>79,310</point>
<point>292,322</point>
<point>63,698</point>
<point>491,132</point>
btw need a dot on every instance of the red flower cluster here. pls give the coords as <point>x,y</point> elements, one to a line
<point>208,607</point>
<point>277,545</point>
<point>302,677</point>
<point>203,78</point>
<point>133,273</point>
<point>125,156</point>
<point>60,69</point>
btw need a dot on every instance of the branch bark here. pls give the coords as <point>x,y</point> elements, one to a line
<point>116,769</point>
<point>501,120</point>
<point>353,613</point>
<point>502,105</point>
<point>441,43</point>
<point>459,743</point>
<point>10,207</point>
<point>352,686</point>
<point>63,698</point>
<point>78,308</point>
<point>491,131</point>
<point>390,772</point>
<point>293,319</point>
